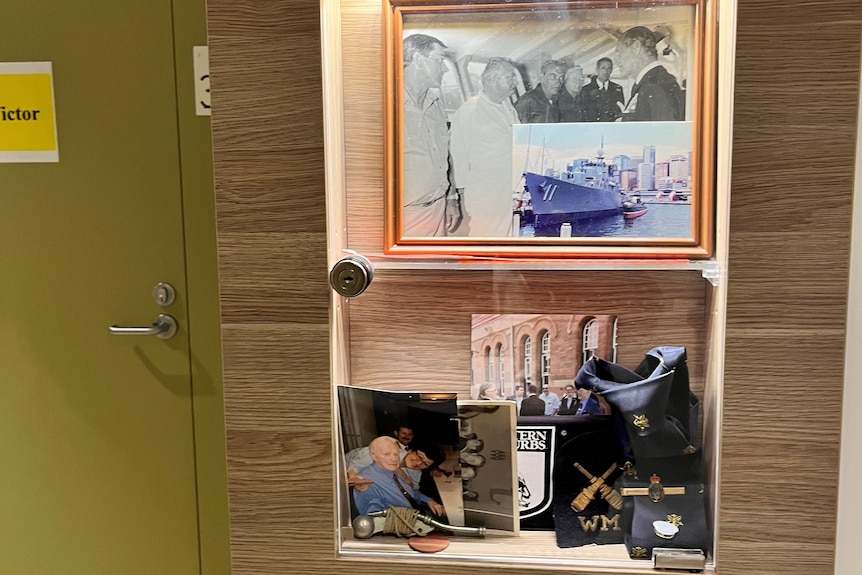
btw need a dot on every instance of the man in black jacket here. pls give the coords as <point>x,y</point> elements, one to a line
<point>656,95</point>
<point>532,405</point>
<point>569,402</point>
<point>603,100</point>
<point>569,101</point>
<point>539,105</point>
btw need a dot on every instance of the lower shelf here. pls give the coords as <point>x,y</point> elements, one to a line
<point>534,548</point>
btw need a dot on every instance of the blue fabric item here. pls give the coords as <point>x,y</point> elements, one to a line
<point>596,450</point>
<point>654,401</point>
<point>639,511</point>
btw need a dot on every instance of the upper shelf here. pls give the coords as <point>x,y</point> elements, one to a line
<point>710,269</point>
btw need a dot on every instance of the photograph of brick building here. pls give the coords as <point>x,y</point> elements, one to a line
<point>539,349</point>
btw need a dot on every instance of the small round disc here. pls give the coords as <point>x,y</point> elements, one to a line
<point>430,543</point>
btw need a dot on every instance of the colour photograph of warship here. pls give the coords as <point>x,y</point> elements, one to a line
<point>566,189</point>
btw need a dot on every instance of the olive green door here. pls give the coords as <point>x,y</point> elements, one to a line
<point>97,469</point>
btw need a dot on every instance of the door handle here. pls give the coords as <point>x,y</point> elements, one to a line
<point>164,327</point>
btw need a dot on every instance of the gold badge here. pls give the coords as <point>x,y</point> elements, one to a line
<point>655,489</point>
<point>675,520</point>
<point>597,486</point>
<point>689,450</point>
<point>638,553</point>
<point>641,422</point>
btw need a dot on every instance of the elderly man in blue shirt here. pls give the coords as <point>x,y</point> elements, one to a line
<point>387,489</point>
<point>414,461</point>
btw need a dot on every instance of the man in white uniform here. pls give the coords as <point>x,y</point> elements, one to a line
<point>481,149</point>
<point>426,139</point>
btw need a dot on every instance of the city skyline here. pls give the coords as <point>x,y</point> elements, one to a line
<point>557,145</point>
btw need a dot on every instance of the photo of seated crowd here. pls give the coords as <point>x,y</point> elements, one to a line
<point>459,107</point>
<point>401,451</point>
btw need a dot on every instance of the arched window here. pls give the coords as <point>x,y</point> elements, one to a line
<point>501,370</point>
<point>528,361</point>
<point>591,340</point>
<point>614,343</point>
<point>546,358</point>
<point>489,365</point>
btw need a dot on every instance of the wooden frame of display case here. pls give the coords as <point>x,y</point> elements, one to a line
<point>353,230</point>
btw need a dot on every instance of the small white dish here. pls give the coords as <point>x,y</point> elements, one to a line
<point>665,529</point>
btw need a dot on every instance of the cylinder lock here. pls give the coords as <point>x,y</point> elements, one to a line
<point>351,275</point>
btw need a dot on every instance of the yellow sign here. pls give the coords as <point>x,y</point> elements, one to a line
<point>28,130</point>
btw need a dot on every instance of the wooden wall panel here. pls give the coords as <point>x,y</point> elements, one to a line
<point>797,80</point>
<point>265,63</point>
<point>794,145</point>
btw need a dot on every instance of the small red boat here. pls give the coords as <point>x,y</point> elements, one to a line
<point>633,210</point>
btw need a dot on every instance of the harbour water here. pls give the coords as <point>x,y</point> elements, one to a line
<point>660,221</point>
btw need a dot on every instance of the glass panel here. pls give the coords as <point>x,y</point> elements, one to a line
<point>436,320</point>
<point>436,325</point>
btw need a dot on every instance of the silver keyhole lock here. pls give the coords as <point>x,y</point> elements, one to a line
<point>351,275</point>
<point>164,294</point>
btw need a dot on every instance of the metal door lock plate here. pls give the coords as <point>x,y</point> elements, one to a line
<point>164,294</point>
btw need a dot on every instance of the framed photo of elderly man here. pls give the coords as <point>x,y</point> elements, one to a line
<point>550,129</point>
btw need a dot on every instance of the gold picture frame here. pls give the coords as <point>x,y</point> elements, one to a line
<point>612,157</point>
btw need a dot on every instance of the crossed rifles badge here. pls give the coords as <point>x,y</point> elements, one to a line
<point>656,491</point>
<point>597,485</point>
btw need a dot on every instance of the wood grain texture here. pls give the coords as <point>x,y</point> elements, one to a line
<point>788,284</point>
<point>362,39</point>
<point>791,190</point>
<point>267,133</point>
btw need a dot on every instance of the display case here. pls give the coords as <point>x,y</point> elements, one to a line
<point>453,315</point>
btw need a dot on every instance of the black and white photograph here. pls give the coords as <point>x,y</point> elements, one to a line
<point>468,79</point>
<point>489,464</point>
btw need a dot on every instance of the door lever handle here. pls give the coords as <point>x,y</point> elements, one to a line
<point>164,327</point>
